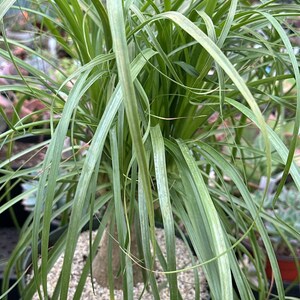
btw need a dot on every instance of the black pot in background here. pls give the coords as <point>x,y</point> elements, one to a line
<point>6,221</point>
<point>34,138</point>
<point>9,234</point>
<point>291,291</point>
<point>21,214</point>
<point>8,239</point>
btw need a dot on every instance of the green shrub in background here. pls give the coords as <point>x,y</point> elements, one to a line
<point>161,89</point>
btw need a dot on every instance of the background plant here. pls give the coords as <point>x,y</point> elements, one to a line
<point>286,210</point>
<point>157,84</point>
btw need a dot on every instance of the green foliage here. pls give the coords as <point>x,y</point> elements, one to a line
<point>163,96</point>
<point>286,210</point>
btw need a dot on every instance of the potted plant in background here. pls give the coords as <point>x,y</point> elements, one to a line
<point>284,235</point>
<point>138,116</point>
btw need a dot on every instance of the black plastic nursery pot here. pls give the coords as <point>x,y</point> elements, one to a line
<point>8,239</point>
<point>33,138</point>
<point>6,219</point>
<point>26,161</point>
<point>9,235</point>
<point>9,230</point>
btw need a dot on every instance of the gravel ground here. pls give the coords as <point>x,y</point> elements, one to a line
<point>185,279</point>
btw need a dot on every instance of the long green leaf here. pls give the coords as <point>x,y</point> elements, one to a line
<point>118,31</point>
<point>120,217</point>
<point>5,6</point>
<point>165,205</point>
<point>145,238</point>
<point>236,178</point>
<point>215,229</point>
<point>93,155</point>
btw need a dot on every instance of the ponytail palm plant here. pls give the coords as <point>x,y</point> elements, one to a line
<point>161,88</point>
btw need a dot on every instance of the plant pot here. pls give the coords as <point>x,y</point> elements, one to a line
<point>288,269</point>
<point>33,139</point>
<point>8,240</point>
<point>9,237</point>
<point>19,211</point>
<point>9,233</point>
<point>289,274</point>
<point>290,291</point>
